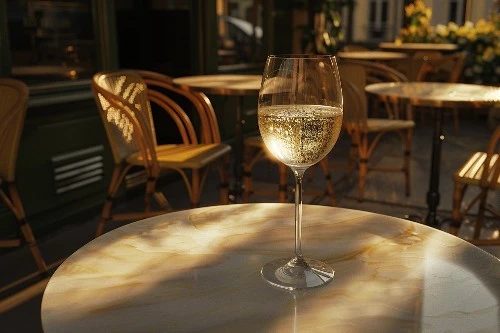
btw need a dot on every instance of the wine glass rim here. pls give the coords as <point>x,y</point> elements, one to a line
<point>301,56</point>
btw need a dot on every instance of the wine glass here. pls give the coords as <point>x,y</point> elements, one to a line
<point>300,117</point>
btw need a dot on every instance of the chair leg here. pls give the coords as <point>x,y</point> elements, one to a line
<point>224,180</point>
<point>283,182</point>
<point>480,216</point>
<point>108,203</point>
<point>16,206</point>
<point>328,181</point>
<point>456,215</point>
<point>195,188</point>
<point>362,171</point>
<point>407,162</point>
<point>149,193</point>
<point>247,175</point>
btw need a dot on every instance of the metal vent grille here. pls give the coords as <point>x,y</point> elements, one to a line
<point>78,168</point>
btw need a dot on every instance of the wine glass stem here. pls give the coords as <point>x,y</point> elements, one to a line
<point>299,176</point>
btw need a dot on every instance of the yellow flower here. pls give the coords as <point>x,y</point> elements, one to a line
<point>471,35</point>
<point>452,26</point>
<point>462,31</point>
<point>412,29</point>
<point>409,10</point>
<point>442,30</point>
<point>398,41</point>
<point>428,13</point>
<point>424,20</point>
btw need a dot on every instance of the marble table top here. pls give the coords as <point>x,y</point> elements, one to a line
<point>199,271</point>
<point>222,84</point>
<point>437,94</point>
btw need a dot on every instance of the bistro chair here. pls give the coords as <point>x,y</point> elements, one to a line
<point>123,99</point>
<point>437,67</point>
<point>377,73</point>
<point>14,96</point>
<point>366,132</point>
<point>481,171</point>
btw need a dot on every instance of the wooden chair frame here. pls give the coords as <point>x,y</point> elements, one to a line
<point>145,140</point>
<point>13,113</point>
<point>482,169</point>
<point>366,133</point>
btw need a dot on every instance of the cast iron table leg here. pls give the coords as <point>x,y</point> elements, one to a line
<point>433,192</point>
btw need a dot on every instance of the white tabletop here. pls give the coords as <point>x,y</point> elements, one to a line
<point>199,271</point>
<point>437,94</point>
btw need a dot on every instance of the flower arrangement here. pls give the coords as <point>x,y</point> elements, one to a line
<point>418,17</point>
<point>480,40</point>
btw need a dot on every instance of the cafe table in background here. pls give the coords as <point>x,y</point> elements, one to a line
<point>438,97</point>
<point>198,270</point>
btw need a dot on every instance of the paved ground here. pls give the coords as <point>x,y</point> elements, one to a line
<point>20,301</point>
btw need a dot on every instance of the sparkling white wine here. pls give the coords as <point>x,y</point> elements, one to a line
<point>300,135</point>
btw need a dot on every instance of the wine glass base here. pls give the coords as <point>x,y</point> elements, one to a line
<point>293,274</point>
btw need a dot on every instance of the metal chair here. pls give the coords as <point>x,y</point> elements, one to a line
<point>14,96</point>
<point>482,171</point>
<point>365,132</point>
<point>123,99</point>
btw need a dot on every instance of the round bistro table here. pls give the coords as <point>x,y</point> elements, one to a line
<point>437,96</point>
<point>198,270</point>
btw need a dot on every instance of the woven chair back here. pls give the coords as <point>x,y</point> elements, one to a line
<point>163,92</point>
<point>122,100</point>
<point>442,68</point>
<point>14,96</point>
<point>355,106</point>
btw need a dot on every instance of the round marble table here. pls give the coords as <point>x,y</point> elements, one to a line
<point>437,96</point>
<point>372,55</point>
<point>239,85</point>
<point>199,271</point>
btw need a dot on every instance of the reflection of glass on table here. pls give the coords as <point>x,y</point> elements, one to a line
<point>198,271</point>
<point>437,96</point>
<point>238,85</point>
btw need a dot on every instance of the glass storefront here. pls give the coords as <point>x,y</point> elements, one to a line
<point>51,40</point>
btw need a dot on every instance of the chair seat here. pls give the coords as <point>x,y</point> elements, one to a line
<point>184,156</point>
<point>470,173</point>
<point>381,124</point>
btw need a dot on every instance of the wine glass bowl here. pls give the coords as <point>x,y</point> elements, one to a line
<point>300,116</point>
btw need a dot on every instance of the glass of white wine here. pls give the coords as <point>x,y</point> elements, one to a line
<point>300,116</point>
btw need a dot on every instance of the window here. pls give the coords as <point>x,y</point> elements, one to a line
<point>239,32</point>
<point>51,39</point>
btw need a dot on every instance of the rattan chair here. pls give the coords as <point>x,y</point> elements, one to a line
<point>482,171</point>
<point>13,104</point>
<point>376,73</point>
<point>365,133</point>
<point>437,67</point>
<point>123,99</point>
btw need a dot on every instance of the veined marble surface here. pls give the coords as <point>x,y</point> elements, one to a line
<point>199,271</point>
